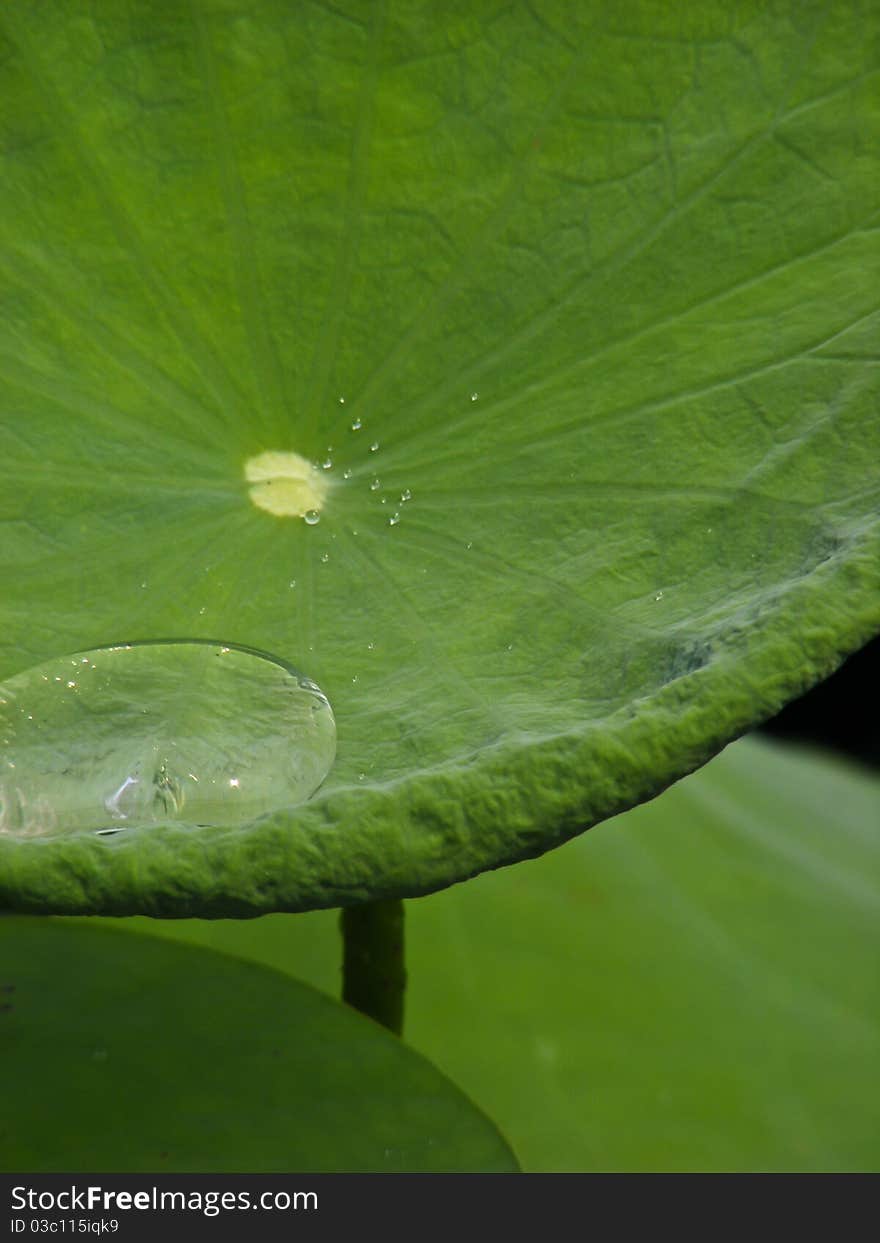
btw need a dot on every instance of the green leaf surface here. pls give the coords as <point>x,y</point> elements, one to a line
<point>123,1052</point>
<point>594,286</point>
<point>692,986</point>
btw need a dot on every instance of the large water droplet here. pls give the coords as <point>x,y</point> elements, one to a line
<point>312,517</point>
<point>136,734</point>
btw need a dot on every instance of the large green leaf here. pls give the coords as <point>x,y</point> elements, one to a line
<point>599,284</point>
<point>121,1052</point>
<point>692,986</point>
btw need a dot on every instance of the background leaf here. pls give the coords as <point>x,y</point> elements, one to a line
<point>595,286</point>
<point>124,1052</point>
<point>692,986</point>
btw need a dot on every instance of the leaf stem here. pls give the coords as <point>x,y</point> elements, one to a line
<point>373,970</point>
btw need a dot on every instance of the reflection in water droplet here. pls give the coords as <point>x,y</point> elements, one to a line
<point>356,425</point>
<point>405,496</point>
<point>342,401</point>
<point>375,485</point>
<point>659,595</point>
<point>474,396</point>
<point>346,474</point>
<point>394,519</point>
<point>327,464</point>
<point>325,557</point>
<point>312,517</point>
<point>151,732</point>
<point>374,446</point>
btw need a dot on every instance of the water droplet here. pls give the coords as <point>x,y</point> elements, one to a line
<point>346,474</point>
<point>659,595</point>
<point>202,611</point>
<point>354,678</point>
<point>311,517</point>
<point>405,496</point>
<point>325,557</point>
<point>143,585</point>
<point>356,425</point>
<point>474,396</point>
<point>342,401</point>
<point>371,647</point>
<point>292,583</point>
<point>375,485</point>
<point>394,519</point>
<point>327,464</point>
<point>374,446</point>
<point>469,544</point>
<point>158,732</point>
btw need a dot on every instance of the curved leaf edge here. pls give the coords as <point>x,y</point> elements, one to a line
<point>505,804</point>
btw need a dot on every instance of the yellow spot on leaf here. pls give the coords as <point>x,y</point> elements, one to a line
<point>285,484</point>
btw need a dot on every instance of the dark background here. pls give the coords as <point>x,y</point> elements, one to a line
<point>841,712</point>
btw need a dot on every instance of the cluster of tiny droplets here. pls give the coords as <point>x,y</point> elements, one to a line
<point>312,517</point>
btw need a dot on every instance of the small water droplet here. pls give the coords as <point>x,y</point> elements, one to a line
<point>474,396</point>
<point>374,446</point>
<point>346,474</point>
<point>327,464</point>
<point>143,586</point>
<point>311,517</point>
<point>202,611</point>
<point>371,647</point>
<point>384,500</point>
<point>292,583</point>
<point>375,485</point>
<point>394,519</point>
<point>342,401</point>
<point>659,595</point>
<point>121,754</point>
<point>405,496</point>
<point>362,776</point>
<point>469,544</point>
<point>325,557</point>
<point>356,425</point>
<point>354,678</point>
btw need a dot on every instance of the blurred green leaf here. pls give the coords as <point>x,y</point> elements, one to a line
<point>692,986</point>
<point>123,1052</point>
<point>574,307</point>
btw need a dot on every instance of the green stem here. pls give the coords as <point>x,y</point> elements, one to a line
<point>373,971</point>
